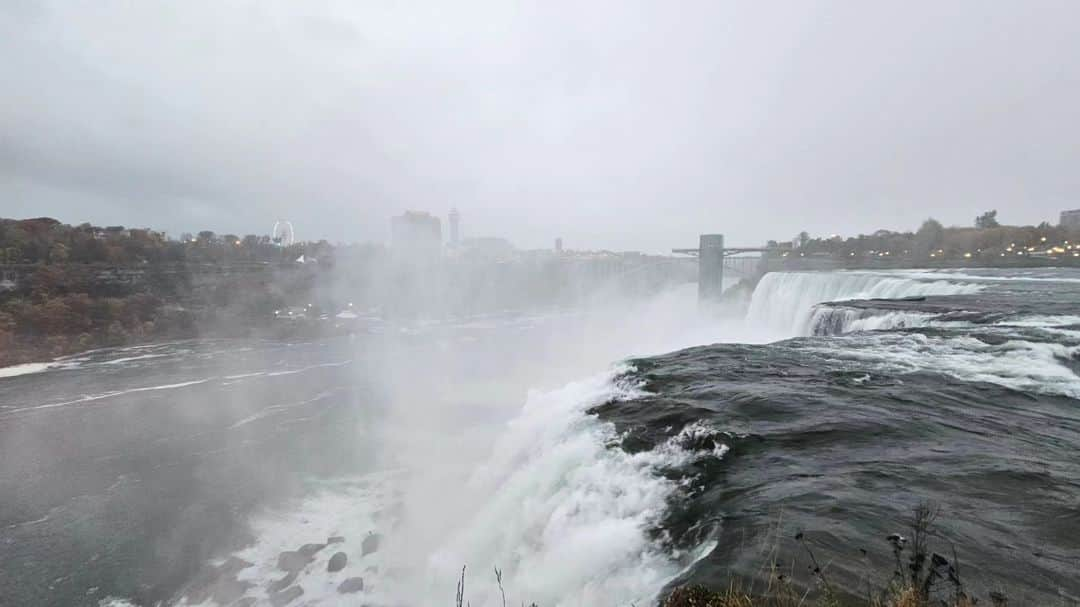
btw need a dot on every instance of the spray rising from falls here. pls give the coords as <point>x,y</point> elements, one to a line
<point>783,302</point>
<point>551,506</point>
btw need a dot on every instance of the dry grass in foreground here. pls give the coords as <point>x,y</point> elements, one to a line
<point>921,578</point>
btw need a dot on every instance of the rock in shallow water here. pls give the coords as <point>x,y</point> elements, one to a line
<point>280,599</point>
<point>228,590</point>
<point>351,585</point>
<point>283,583</point>
<point>337,562</point>
<point>293,560</point>
<point>370,544</point>
<point>310,549</point>
<point>234,565</point>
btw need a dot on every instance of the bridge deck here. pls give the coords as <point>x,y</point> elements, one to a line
<point>727,251</point>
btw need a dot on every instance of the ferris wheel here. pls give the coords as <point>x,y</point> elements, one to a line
<point>283,235</point>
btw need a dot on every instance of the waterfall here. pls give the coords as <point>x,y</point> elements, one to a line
<point>784,302</point>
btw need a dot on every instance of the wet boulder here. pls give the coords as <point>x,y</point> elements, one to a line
<point>311,549</point>
<point>337,562</point>
<point>293,560</point>
<point>351,585</point>
<point>370,544</point>
<point>280,599</point>
<point>283,583</point>
<point>230,589</point>
<point>234,565</point>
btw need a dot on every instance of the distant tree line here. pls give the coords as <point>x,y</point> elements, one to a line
<point>987,241</point>
<point>68,288</point>
<point>46,240</point>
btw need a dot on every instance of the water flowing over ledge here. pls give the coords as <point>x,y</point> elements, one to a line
<point>784,301</point>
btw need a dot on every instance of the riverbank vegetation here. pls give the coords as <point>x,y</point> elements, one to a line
<point>65,289</point>
<point>987,244</point>
<point>44,240</point>
<point>924,572</point>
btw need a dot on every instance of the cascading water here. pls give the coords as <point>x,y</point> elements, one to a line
<point>602,491</point>
<point>784,302</point>
<point>837,320</point>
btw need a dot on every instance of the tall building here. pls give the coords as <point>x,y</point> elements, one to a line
<point>455,228</point>
<point>416,235</point>
<point>1070,219</point>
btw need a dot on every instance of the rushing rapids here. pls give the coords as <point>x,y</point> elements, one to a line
<point>837,404</point>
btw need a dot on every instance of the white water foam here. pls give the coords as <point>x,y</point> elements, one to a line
<point>836,320</point>
<point>128,359</point>
<point>25,369</point>
<point>783,302</point>
<point>301,369</point>
<point>108,395</point>
<point>1046,275</point>
<point>1016,364</point>
<point>1040,321</point>
<point>112,601</point>
<point>563,507</point>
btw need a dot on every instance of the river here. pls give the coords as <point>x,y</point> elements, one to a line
<point>596,457</point>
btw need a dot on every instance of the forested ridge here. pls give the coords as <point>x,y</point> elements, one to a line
<point>68,288</point>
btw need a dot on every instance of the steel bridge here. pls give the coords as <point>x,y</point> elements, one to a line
<point>714,258</point>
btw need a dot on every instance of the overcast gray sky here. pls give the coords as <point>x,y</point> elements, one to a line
<point>611,123</point>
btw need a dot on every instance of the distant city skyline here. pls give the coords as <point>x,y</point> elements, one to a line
<point>532,243</point>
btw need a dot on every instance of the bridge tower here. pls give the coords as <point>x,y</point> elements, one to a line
<point>710,267</point>
<point>711,254</point>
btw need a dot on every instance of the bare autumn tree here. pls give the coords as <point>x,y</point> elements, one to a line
<point>987,220</point>
<point>929,237</point>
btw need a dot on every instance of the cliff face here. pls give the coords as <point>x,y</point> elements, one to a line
<point>66,288</point>
<point>57,309</point>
